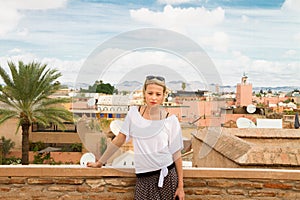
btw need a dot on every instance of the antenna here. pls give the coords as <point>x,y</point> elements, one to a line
<point>251,108</point>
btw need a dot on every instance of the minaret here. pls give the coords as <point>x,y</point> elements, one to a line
<point>244,79</point>
<point>243,92</point>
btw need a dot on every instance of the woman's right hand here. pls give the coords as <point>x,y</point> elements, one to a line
<point>94,164</point>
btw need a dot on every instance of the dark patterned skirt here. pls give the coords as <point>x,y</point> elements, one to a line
<point>147,186</point>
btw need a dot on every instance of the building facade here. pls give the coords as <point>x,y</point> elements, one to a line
<point>243,92</point>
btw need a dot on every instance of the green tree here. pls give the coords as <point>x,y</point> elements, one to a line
<point>105,88</point>
<point>100,87</point>
<point>26,96</point>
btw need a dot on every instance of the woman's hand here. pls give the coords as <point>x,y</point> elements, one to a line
<point>179,194</point>
<point>94,164</point>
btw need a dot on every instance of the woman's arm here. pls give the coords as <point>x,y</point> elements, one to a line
<point>178,164</point>
<point>116,143</point>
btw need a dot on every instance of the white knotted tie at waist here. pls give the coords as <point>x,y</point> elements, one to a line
<point>162,175</point>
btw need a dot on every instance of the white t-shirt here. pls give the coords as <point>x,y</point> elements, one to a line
<point>154,141</point>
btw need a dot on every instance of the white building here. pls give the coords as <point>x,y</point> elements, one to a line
<point>113,106</point>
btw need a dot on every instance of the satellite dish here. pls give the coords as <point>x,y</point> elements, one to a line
<point>91,102</point>
<point>96,96</point>
<point>245,123</point>
<point>87,157</point>
<point>251,108</point>
<point>280,104</point>
<point>115,126</point>
<point>72,94</point>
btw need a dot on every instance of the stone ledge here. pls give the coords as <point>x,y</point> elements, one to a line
<point>273,133</point>
<point>78,171</point>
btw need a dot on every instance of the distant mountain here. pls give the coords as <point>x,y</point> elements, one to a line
<point>277,89</point>
<point>78,85</point>
<point>192,85</point>
<point>128,86</point>
<point>172,85</point>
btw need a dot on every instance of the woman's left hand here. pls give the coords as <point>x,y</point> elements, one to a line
<point>179,193</point>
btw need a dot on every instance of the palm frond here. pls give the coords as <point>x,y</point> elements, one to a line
<point>7,80</point>
<point>54,101</point>
<point>47,118</point>
<point>7,114</point>
<point>60,113</point>
<point>18,127</point>
<point>13,70</point>
<point>6,100</point>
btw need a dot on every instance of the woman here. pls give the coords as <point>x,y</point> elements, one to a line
<point>157,141</point>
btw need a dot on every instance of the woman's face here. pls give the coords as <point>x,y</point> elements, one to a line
<point>154,95</point>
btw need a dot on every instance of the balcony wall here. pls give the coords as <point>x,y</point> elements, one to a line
<point>75,182</point>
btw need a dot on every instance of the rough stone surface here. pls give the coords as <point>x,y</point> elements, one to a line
<point>200,184</point>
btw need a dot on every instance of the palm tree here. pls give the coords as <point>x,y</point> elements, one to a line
<point>26,96</point>
<point>183,85</point>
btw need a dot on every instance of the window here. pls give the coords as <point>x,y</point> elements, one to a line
<point>69,127</point>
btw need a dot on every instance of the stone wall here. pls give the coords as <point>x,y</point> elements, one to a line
<point>75,182</point>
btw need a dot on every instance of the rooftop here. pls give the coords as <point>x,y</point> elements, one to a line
<point>232,144</point>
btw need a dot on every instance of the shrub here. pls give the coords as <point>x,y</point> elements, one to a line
<point>11,161</point>
<point>37,146</point>
<point>8,144</point>
<point>76,147</point>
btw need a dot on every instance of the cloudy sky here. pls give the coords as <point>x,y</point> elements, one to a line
<point>259,38</point>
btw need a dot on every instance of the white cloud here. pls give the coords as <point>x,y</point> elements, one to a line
<point>23,32</point>
<point>10,11</point>
<point>241,59</point>
<point>297,37</point>
<point>36,4</point>
<point>173,2</point>
<point>15,50</point>
<point>232,68</point>
<point>69,69</point>
<point>290,54</point>
<point>137,59</point>
<point>291,5</point>
<point>219,41</point>
<point>25,57</point>
<point>260,72</point>
<point>178,17</point>
<point>9,18</point>
<point>245,19</point>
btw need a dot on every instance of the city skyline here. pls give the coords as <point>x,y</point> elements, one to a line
<point>261,39</point>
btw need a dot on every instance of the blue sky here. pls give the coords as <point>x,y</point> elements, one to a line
<point>259,38</point>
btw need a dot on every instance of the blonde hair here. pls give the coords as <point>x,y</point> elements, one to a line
<point>156,82</point>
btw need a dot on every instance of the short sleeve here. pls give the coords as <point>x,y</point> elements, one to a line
<point>125,129</point>
<point>175,136</point>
